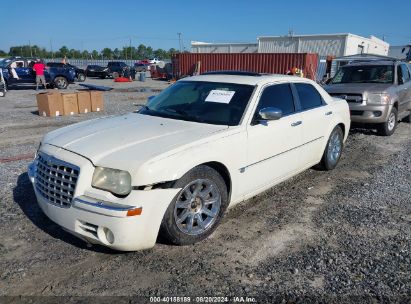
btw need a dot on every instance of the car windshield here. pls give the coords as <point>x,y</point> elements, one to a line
<point>364,74</point>
<point>205,102</point>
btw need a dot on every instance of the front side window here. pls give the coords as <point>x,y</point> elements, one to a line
<point>364,74</point>
<point>277,96</point>
<point>308,95</point>
<point>200,101</point>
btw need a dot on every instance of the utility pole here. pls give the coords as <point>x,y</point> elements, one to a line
<point>51,49</point>
<point>180,42</point>
<point>131,52</point>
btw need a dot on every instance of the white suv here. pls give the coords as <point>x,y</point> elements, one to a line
<point>204,144</point>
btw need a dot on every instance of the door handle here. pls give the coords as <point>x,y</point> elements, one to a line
<point>297,123</point>
<point>329,113</point>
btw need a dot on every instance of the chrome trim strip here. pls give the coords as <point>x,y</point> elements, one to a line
<point>242,170</point>
<point>103,205</point>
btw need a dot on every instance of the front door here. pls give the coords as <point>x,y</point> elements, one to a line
<point>404,88</point>
<point>273,147</point>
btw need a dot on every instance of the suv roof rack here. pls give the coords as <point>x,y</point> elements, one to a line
<point>237,73</point>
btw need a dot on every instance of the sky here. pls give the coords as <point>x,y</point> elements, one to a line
<point>92,24</point>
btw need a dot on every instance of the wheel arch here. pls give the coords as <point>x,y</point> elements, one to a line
<point>223,171</point>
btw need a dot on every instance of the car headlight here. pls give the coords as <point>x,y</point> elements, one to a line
<point>113,180</point>
<point>380,98</point>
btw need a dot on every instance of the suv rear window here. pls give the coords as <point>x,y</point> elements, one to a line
<point>364,74</point>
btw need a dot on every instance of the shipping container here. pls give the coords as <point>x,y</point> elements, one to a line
<point>273,63</point>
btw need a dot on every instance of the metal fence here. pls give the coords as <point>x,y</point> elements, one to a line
<point>82,63</point>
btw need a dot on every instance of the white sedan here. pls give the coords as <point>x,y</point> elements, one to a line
<point>204,144</point>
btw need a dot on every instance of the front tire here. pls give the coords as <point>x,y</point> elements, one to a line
<point>333,149</point>
<point>388,127</point>
<point>81,77</point>
<point>197,209</point>
<point>60,83</point>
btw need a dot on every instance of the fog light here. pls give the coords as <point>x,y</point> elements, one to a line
<point>109,235</point>
<point>377,113</point>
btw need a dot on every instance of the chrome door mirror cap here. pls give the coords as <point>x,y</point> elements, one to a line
<point>270,113</point>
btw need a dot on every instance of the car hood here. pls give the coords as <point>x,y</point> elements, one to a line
<point>128,140</point>
<point>357,88</point>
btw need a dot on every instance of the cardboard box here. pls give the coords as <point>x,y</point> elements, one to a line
<point>84,102</point>
<point>97,102</point>
<point>50,103</point>
<point>70,105</point>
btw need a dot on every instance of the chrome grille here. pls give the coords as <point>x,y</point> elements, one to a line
<point>56,180</point>
<point>349,97</point>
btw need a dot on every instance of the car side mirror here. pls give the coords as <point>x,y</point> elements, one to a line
<point>270,113</point>
<point>400,80</point>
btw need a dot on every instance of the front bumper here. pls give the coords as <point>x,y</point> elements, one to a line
<point>369,113</point>
<point>100,218</point>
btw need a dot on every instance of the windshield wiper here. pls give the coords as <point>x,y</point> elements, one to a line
<point>142,106</point>
<point>184,114</point>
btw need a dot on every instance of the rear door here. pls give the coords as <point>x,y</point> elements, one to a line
<point>316,117</point>
<point>272,146</point>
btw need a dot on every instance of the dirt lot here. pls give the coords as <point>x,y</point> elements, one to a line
<point>340,235</point>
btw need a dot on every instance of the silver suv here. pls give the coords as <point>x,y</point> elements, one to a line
<point>378,92</point>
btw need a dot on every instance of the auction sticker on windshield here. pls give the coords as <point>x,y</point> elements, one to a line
<point>220,96</point>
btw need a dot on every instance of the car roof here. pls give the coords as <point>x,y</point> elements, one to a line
<point>246,79</point>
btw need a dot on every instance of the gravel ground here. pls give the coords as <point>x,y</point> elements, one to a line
<point>339,236</point>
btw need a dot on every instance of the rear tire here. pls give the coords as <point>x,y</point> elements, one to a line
<point>197,209</point>
<point>60,82</point>
<point>333,149</point>
<point>388,128</point>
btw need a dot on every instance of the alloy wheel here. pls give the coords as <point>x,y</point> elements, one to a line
<point>197,207</point>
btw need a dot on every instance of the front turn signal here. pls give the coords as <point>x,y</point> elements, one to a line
<point>135,211</point>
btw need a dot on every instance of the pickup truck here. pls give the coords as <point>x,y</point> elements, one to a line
<point>119,68</point>
<point>57,77</point>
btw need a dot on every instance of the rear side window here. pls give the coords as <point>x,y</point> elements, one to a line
<point>277,96</point>
<point>309,96</point>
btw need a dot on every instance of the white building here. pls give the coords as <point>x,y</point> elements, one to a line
<point>204,47</point>
<point>327,44</point>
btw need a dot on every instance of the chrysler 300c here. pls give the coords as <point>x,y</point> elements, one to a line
<point>174,166</point>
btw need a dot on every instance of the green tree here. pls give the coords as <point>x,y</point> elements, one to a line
<point>3,53</point>
<point>107,53</point>
<point>63,51</point>
<point>116,53</point>
<point>94,54</point>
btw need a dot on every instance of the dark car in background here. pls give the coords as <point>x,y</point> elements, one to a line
<point>80,73</point>
<point>94,70</point>
<point>58,78</point>
<point>119,68</point>
<point>141,67</point>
